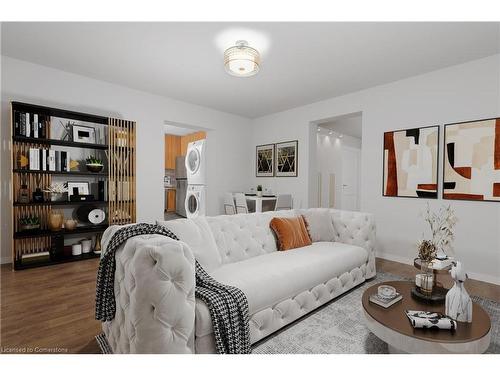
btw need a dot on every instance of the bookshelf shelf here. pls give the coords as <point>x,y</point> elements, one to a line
<point>57,142</point>
<point>70,173</point>
<point>31,128</point>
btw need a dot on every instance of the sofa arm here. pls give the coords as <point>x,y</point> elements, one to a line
<point>154,294</point>
<point>357,228</point>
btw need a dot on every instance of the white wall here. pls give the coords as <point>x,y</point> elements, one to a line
<point>329,161</point>
<point>228,146</point>
<point>463,92</point>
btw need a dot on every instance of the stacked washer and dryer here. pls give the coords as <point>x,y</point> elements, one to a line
<point>196,178</point>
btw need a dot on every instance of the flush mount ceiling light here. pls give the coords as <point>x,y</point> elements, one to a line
<point>241,60</point>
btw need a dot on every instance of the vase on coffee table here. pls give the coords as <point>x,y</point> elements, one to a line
<point>438,293</point>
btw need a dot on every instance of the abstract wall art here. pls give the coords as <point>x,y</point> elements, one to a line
<point>411,162</point>
<point>286,159</point>
<point>264,166</point>
<point>472,160</point>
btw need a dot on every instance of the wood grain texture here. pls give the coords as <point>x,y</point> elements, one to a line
<point>54,306</point>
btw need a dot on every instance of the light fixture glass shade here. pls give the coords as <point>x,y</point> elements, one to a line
<point>242,60</point>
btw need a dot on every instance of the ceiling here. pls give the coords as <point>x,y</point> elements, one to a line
<point>301,63</point>
<point>347,125</point>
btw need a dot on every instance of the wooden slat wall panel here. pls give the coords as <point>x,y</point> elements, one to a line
<point>122,164</point>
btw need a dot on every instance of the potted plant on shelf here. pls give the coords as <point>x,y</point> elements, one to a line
<point>94,164</point>
<point>58,191</point>
<point>29,223</point>
<point>259,190</point>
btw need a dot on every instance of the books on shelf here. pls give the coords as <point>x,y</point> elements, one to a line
<point>428,319</point>
<point>30,125</point>
<point>49,160</point>
<point>385,302</point>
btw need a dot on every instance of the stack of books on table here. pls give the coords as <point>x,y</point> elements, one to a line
<point>385,301</point>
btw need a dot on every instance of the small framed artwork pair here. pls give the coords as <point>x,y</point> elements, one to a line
<point>277,159</point>
<point>471,161</point>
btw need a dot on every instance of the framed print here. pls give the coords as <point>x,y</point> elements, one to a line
<point>472,160</point>
<point>286,159</point>
<point>78,187</point>
<point>264,161</point>
<point>83,134</point>
<point>411,163</point>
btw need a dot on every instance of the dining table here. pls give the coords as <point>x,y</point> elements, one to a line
<point>258,200</point>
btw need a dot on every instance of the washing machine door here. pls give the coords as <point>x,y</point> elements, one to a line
<point>193,160</point>
<point>192,205</point>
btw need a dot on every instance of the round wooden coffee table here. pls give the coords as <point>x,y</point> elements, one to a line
<point>392,326</point>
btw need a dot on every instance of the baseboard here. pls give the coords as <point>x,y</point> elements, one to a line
<point>5,260</point>
<point>472,275</point>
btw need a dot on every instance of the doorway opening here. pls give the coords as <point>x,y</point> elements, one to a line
<point>177,137</point>
<point>338,159</point>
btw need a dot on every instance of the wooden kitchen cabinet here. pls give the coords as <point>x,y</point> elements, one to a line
<point>172,150</point>
<point>170,200</point>
<point>185,139</point>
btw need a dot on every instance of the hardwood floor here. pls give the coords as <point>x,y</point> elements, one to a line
<point>52,308</point>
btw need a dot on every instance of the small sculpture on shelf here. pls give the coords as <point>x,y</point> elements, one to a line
<point>458,303</point>
<point>70,224</point>
<point>259,190</point>
<point>94,164</point>
<point>58,191</point>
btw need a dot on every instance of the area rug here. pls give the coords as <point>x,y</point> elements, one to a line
<point>346,333</point>
<point>318,333</point>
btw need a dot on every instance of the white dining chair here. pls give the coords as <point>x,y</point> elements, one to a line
<point>283,202</point>
<point>229,206</point>
<point>241,203</point>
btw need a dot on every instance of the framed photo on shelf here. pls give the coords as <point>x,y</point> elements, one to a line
<point>264,161</point>
<point>287,159</point>
<point>82,188</point>
<point>83,134</point>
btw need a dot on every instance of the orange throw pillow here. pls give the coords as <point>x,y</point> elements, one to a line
<point>290,232</point>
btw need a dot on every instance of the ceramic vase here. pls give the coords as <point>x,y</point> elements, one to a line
<point>55,221</point>
<point>458,304</point>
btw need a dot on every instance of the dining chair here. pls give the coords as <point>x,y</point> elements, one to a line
<point>241,203</point>
<point>229,206</point>
<point>283,202</point>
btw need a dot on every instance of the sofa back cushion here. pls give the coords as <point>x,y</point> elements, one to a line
<point>319,223</point>
<point>243,236</point>
<point>291,232</point>
<point>197,234</point>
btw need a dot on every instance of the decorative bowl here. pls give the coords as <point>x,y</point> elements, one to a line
<point>95,168</point>
<point>386,291</point>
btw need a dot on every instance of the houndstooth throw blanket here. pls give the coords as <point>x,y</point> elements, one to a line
<point>228,305</point>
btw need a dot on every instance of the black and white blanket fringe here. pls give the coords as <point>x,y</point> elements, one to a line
<point>228,305</point>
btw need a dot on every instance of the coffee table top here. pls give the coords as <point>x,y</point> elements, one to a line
<point>395,318</point>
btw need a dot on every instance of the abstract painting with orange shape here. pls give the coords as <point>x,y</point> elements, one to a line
<point>472,161</point>
<point>411,162</point>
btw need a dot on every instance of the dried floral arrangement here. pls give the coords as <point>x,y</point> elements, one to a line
<point>441,224</point>
<point>426,250</point>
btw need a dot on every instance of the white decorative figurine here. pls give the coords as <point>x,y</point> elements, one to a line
<point>458,303</point>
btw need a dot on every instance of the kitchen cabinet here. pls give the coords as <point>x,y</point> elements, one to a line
<point>185,139</point>
<point>172,150</point>
<point>170,200</point>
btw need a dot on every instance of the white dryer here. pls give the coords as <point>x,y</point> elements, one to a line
<point>195,201</point>
<point>196,163</point>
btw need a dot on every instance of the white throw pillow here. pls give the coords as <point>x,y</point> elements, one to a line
<point>197,235</point>
<point>320,224</point>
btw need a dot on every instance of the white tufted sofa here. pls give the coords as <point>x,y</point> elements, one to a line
<point>156,309</point>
